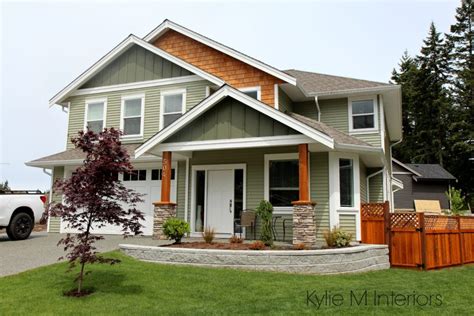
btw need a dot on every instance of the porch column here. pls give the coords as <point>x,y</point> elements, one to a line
<point>304,226</point>
<point>164,208</point>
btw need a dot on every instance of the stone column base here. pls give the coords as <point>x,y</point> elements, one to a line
<point>162,212</point>
<point>304,225</point>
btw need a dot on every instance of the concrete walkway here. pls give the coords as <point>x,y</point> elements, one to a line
<point>41,249</point>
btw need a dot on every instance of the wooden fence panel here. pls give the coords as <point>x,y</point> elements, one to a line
<point>373,223</point>
<point>405,240</point>
<point>466,226</point>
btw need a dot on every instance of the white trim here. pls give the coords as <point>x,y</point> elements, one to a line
<point>278,210</point>
<point>276,98</point>
<point>167,24</point>
<point>206,168</point>
<point>164,93</point>
<point>374,129</point>
<point>382,122</point>
<point>137,85</point>
<point>140,96</point>
<point>208,91</point>
<point>250,142</point>
<point>186,191</point>
<point>125,44</point>
<point>358,148</point>
<point>334,190</point>
<point>223,92</point>
<point>104,111</point>
<point>345,92</point>
<point>74,162</point>
<point>253,89</point>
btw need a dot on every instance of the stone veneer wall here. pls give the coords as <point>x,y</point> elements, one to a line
<point>325,261</point>
<point>162,212</point>
<point>304,226</point>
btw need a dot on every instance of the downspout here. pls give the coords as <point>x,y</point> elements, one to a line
<point>46,172</point>
<point>317,106</point>
<point>63,107</point>
<point>392,202</point>
<point>368,180</point>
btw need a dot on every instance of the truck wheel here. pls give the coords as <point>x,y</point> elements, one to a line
<point>20,227</point>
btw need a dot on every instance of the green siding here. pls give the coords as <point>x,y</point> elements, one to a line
<point>230,119</point>
<point>376,188</point>
<point>347,223</point>
<point>307,109</point>
<point>133,65</point>
<point>363,182</point>
<point>195,92</point>
<point>254,160</point>
<point>334,112</point>
<point>284,102</point>
<point>373,139</point>
<point>55,222</point>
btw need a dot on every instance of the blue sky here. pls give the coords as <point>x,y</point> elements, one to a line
<point>45,45</point>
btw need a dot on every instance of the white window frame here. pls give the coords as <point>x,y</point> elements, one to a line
<point>353,131</point>
<point>162,103</point>
<point>142,115</point>
<point>104,114</point>
<point>279,210</point>
<point>335,208</point>
<point>253,89</point>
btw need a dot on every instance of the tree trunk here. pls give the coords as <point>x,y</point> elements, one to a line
<point>81,274</point>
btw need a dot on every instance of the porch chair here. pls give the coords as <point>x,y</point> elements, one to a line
<point>247,218</point>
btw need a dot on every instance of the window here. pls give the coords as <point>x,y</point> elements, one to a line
<point>135,175</point>
<point>95,115</point>
<point>253,92</point>
<point>284,185</point>
<point>363,114</point>
<point>173,105</point>
<point>156,174</point>
<point>132,116</point>
<point>346,183</point>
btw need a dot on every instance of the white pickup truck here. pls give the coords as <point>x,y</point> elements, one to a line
<point>19,211</point>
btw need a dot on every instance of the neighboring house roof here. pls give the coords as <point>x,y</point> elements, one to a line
<point>115,52</point>
<point>170,25</point>
<point>338,136</point>
<point>73,157</point>
<point>404,166</point>
<point>431,172</point>
<point>314,84</point>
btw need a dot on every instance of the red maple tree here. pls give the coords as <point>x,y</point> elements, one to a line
<point>94,197</point>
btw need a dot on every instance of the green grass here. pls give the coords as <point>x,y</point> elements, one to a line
<point>140,288</point>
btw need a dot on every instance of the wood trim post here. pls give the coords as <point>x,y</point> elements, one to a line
<point>461,243</point>
<point>423,240</point>
<point>166,177</point>
<point>303,172</point>
<point>387,227</point>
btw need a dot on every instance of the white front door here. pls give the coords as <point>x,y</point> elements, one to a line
<point>220,201</point>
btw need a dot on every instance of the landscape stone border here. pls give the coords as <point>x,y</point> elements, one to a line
<point>325,261</point>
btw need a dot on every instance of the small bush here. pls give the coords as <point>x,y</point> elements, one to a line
<point>257,245</point>
<point>208,234</point>
<point>337,238</point>
<point>175,228</point>
<point>265,211</point>
<point>456,200</point>
<point>236,240</point>
<point>299,246</point>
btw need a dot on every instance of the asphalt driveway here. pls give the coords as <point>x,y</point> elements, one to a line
<point>40,250</point>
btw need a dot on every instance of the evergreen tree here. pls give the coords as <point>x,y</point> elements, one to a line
<point>405,77</point>
<point>461,128</point>
<point>431,101</point>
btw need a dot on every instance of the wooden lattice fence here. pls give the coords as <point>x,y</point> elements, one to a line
<point>419,240</point>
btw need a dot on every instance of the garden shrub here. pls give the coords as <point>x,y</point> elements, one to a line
<point>175,228</point>
<point>257,245</point>
<point>337,238</point>
<point>208,234</point>
<point>264,211</point>
<point>456,200</point>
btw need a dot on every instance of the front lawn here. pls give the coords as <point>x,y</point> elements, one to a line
<point>139,288</point>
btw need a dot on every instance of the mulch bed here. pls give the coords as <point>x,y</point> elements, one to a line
<point>219,245</point>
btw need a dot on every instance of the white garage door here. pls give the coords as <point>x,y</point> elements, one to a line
<point>146,181</point>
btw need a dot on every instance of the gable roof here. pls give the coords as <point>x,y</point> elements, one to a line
<point>406,167</point>
<point>228,91</point>
<point>115,52</point>
<point>315,84</point>
<point>431,172</point>
<point>170,25</point>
